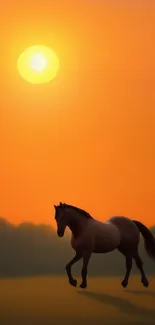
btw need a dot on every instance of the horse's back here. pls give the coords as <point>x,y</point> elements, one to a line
<point>129,233</point>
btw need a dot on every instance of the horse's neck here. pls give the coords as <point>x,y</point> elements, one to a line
<point>75,224</point>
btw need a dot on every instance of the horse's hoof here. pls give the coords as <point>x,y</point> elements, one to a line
<point>124,284</point>
<point>145,282</point>
<point>73,282</point>
<point>83,285</point>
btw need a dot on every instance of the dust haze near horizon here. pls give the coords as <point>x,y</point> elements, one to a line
<point>29,249</point>
<point>88,137</point>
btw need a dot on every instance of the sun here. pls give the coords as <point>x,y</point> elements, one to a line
<point>38,64</point>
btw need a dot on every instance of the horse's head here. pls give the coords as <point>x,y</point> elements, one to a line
<point>61,219</point>
<point>73,217</point>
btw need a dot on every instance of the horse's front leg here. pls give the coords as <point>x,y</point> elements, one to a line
<point>76,258</point>
<point>86,258</point>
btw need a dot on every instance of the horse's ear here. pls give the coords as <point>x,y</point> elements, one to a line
<point>55,206</point>
<point>61,205</point>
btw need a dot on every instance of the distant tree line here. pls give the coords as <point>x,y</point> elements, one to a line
<point>30,249</point>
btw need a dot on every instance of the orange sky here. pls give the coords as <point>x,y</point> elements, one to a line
<point>87,138</point>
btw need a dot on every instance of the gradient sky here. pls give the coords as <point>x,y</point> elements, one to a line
<point>88,137</point>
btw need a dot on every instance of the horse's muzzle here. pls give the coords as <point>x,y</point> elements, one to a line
<point>60,233</point>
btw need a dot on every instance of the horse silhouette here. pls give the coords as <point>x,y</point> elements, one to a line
<point>92,236</point>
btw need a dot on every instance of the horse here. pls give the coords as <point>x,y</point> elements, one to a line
<point>92,236</point>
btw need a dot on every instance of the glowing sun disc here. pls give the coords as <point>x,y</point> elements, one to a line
<point>38,64</point>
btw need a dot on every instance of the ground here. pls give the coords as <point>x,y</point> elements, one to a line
<point>51,300</point>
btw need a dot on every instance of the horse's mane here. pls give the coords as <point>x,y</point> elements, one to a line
<point>83,212</point>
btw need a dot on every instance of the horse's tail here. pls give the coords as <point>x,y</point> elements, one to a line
<point>148,237</point>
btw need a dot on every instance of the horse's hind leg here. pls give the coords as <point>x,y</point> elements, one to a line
<point>128,270</point>
<point>75,259</point>
<point>139,264</point>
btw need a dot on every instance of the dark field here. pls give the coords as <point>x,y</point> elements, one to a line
<point>50,300</point>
